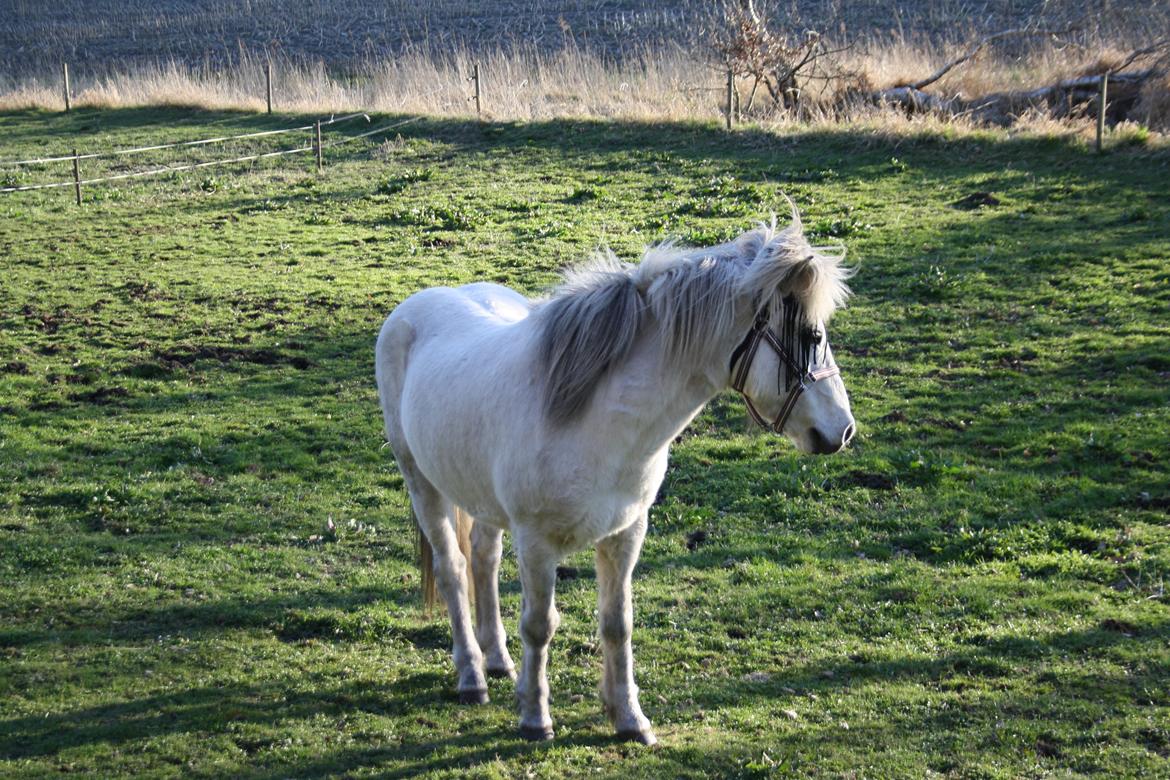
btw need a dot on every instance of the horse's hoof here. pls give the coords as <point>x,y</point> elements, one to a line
<point>536,733</point>
<point>642,737</point>
<point>508,672</point>
<point>474,696</point>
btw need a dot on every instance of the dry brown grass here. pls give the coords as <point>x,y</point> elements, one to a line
<point>516,84</point>
<point>895,62</point>
<point>1154,105</point>
<point>523,84</point>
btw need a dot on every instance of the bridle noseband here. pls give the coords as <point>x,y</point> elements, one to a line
<point>803,376</point>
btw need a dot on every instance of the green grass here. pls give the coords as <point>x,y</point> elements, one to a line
<point>975,589</point>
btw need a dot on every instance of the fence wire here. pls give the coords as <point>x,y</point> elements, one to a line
<point>210,163</point>
<point>201,142</point>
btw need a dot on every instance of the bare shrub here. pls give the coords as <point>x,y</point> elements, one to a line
<point>748,40</point>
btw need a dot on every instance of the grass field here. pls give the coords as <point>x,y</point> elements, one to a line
<point>974,589</point>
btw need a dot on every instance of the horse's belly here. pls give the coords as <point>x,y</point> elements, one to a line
<point>454,460</point>
<point>462,413</point>
<point>576,504</point>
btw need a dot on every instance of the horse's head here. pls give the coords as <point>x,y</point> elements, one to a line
<point>784,366</point>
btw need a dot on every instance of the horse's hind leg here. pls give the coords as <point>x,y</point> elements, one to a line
<point>487,545</point>
<point>434,513</point>
<point>435,517</point>
<point>616,556</point>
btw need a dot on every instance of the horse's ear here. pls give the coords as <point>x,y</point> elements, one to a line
<point>800,278</point>
<point>782,263</point>
<point>799,275</point>
<point>817,282</point>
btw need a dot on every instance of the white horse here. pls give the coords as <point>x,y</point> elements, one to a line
<point>552,419</point>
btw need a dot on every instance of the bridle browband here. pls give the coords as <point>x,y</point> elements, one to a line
<point>799,377</point>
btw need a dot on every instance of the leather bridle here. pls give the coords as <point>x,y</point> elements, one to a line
<point>803,376</point>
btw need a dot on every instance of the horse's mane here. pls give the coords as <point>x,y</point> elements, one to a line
<point>592,320</point>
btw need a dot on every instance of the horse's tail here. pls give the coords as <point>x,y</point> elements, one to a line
<point>463,524</point>
<point>426,556</point>
<point>426,563</point>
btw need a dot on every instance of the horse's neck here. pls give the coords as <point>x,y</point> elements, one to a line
<point>650,399</point>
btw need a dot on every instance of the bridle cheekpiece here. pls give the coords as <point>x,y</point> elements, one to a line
<point>799,375</point>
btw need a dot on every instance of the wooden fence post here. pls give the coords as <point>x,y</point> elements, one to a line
<point>475,78</point>
<point>268,83</point>
<point>320,159</point>
<point>730,93</point>
<point>1101,104</point>
<point>65,78</point>
<point>77,177</point>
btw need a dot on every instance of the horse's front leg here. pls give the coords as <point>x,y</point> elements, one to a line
<point>487,545</point>
<point>616,556</point>
<point>538,622</point>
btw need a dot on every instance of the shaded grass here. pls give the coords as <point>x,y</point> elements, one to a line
<point>186,396</point>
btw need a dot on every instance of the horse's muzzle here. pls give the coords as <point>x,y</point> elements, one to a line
<point>827,445</point>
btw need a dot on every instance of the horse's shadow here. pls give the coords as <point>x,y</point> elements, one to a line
<point>193,708</point>
<point>481,741</point>
<point>460,753</point>
<point>208,709</point>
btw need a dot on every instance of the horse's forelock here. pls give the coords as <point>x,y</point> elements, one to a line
<point>785,264</point>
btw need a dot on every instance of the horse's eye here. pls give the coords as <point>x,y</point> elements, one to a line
<point>816,335</point>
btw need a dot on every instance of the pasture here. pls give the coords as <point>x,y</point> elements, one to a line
<point>974,589</point>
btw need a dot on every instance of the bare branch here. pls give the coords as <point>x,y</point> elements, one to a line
<point>1155,48</point>
<point>1022,31</point>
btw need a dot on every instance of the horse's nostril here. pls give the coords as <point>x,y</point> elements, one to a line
<point>824,445</point>
<point>821,445</point>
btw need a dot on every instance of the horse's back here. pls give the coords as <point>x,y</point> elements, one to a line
<point>503,303</point>
<point>451,312</point>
